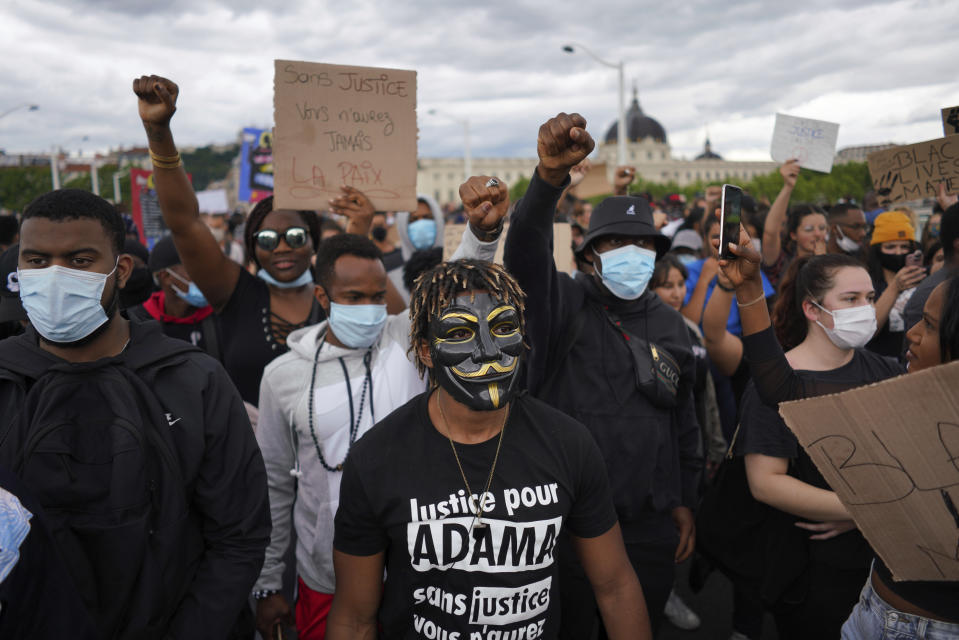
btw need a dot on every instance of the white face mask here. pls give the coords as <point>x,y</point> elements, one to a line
<point>845,243</point>
<point>852,328</point>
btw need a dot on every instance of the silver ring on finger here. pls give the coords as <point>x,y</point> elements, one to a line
<point>492,182</point>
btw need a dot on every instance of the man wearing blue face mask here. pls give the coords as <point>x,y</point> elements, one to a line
<point>606,351</point>
<point>339,377</point>
<point>179,306</point>
<point>137,445</point>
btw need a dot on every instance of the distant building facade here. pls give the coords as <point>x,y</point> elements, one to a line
<point>647,149</point>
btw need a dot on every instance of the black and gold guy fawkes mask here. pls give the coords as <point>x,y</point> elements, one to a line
<point>476,345</point>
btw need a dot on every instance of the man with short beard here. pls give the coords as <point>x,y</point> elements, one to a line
<point>136,445</point>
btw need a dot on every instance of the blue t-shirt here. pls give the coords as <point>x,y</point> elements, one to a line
<point>733,325</point>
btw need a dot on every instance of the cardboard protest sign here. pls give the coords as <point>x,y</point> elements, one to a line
<point>562,243</point>
<point>950,121</point>
<point>891,452</point>
<point>337,125</point>
<point>913,171</point>
<point>256,165</point>
<point>812,142</point>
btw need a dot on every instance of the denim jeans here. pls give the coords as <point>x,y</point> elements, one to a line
<point>874,619</point>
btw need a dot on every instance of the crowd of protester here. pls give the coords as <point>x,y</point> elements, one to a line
<point>245,427</point>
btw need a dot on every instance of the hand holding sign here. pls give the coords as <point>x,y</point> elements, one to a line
<point>562,144</point>
<point>357,207</point>
<point>156,99</point>
<point>811,142</point>
<point>486,202</point>
<point>789,170</point>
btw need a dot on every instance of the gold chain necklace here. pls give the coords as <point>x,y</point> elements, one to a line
<point>479,501</point>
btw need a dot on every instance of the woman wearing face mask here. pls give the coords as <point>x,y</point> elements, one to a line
<point>419,229</point>
<point>893,239</point>
<point>825,316</point>
<point>256,312</point>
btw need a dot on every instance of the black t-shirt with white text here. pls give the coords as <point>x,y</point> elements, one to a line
<point>403,494</point>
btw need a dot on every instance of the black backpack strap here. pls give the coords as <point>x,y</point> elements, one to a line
<point>211,339</point>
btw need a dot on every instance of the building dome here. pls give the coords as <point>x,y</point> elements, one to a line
<point>708,153</point>
<point>639,126</point>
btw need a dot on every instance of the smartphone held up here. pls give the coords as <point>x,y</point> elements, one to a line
<point>730,217</point>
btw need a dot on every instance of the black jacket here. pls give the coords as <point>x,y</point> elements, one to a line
<point>223,473</point>
<point>652,454</point>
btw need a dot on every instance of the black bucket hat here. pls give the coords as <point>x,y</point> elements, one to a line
<point>625,216</point>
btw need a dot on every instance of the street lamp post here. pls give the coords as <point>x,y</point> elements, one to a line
<point>621,128</point>
<point>30,107</point>
<point>116,185</point>
<point>54,167</point>
<point>467,155</point>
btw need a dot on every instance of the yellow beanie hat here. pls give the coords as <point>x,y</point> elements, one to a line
<point>892,226</point>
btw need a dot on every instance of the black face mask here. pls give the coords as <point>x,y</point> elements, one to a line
<point>379,233</point>
<point>892,261</point>
<point>138,288</point>
<point>476,346</point>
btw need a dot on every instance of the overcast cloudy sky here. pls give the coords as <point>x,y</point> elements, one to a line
<point>882,70</point>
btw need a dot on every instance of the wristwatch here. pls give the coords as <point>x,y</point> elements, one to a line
<point>487,236</point>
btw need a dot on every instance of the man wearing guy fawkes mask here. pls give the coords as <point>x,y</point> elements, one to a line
<point>468,485</point>
<point>476,350</point>
<point>608,352</point>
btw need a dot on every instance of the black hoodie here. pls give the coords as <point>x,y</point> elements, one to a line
<point>652,454</point>
<point>228,525</point>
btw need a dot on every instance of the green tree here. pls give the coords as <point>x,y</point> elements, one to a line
<point>20,185</point>
<point>518,190</point>
<point>206,165</point>
<point>845,180</point>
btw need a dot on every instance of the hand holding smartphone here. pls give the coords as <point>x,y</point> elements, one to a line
<point>914,259</point>
<point>730,217</point>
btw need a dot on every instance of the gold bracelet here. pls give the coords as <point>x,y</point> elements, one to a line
<point>761,297</point>
<point>167,165</point>
<point>165,159</point>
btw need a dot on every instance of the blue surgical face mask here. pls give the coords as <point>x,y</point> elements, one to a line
<point>305,278</point>
<point>626,270</point>
<point>357,325</point>
<point>63,304</point>
<point>422,233</point>
<point>192,296</point>
<point>687,258</point>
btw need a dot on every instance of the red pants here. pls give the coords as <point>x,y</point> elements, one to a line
<point>312,608</point>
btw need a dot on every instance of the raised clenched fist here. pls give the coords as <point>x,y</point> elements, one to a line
<point>563,143</point>
<point>485,201</point>
<point>156,98</point>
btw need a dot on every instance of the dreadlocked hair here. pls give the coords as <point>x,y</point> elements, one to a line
<point>437,289</point>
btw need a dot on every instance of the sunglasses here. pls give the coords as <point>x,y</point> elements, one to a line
<point>269,239</point>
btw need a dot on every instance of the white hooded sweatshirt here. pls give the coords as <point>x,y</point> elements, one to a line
<point>288,445</point>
